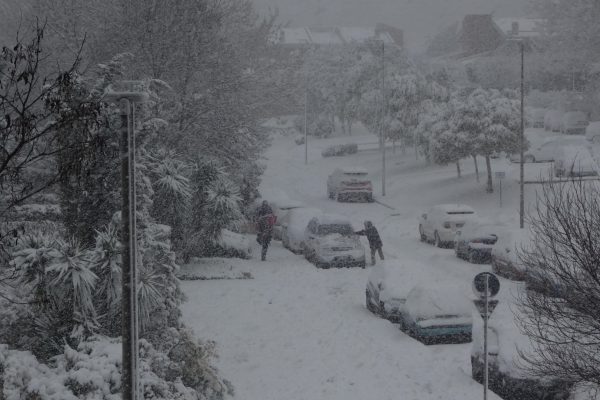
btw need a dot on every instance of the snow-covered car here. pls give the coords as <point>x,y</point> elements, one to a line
<point>552,120</point>
<point>442,221</point>
<point>330,241</point>
<point>387,288</point>
<point>293,226</point>
<point>281,208</point>
<point>592,132</point>
<point>574,123</point>
<point>571,161</point>
<point>348,183</point>
<point>474,241</point>
<point>505,260</point>
<point>505,377</point>
<point>545,150</point>
<point>437,313</point>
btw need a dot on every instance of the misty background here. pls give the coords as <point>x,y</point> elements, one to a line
<point>420,19</point>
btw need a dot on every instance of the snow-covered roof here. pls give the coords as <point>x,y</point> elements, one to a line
<point>325,38</point>
<point>525,27</point>
<point>354,170</point>
<point>295,36</point>
<point>333,219</point>
<point>362,35</point>
<point>455,208</point>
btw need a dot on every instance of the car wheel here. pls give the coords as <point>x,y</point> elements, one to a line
<point>438,242</point>
<point>422,235</point>
<point>529,158</point>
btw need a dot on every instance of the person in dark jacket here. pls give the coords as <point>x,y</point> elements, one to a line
<point>264,227</point>
<point>374,240</point>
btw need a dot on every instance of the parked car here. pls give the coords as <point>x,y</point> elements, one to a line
<point>387,288</point>
<point>437,313</point>
<point>348,183</point>
<point>474,241</point>
<point>574,123</point>
<point>505,260</point>
<point>294,225</point>
<point>592,132</point>
<point>552,120</point>
<point>505,377</point>
<point>281,207</point>
<point>545,151</point>
<point>442,221</point>
<point>340,150</point>
<point>329,240</point>
<point>572,161</point>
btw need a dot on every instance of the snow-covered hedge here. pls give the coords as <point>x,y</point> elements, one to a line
<point>92,371</point>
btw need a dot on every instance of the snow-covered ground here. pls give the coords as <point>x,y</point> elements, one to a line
<point>295,332</point>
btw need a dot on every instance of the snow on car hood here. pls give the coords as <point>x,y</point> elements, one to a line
<point>394,280</point>
<point>435,300</point>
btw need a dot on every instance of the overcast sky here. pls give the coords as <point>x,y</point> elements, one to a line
<point>418,18</point>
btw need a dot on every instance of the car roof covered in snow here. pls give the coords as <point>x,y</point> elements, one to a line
<point>354,170</point>
<point>394,279</point>
<point>438,299</point>
<point>454,208</point>
<point>574,153</point>
<point>333,219</point>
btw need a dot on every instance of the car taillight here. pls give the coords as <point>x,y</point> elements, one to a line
<point>476,241</point>
<point>447,225</point>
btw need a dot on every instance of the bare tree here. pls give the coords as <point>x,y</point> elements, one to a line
<point>561,307</point>
<point>37,111</point>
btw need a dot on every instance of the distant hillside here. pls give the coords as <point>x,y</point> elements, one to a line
<point>12,13</point>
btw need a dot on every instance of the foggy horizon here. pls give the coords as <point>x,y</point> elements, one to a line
<point>419,19</point>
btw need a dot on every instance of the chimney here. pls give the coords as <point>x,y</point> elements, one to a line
<point>515,28</point>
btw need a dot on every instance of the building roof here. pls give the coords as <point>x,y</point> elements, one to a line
<point>520,27</point>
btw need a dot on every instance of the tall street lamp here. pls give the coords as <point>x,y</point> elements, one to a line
<point>126,97</point>
<point>522,141</point>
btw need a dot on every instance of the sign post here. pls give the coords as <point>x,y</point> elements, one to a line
<point>485,286</point>
<point>499,176</point>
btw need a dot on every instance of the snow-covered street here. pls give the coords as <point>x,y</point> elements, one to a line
<point>298,332</point>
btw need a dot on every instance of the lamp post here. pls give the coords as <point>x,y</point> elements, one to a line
<point>127,97</point>
<point>522,142</point>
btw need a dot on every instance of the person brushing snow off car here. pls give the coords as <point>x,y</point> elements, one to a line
<point>265,219</point>
<point>374,240</point>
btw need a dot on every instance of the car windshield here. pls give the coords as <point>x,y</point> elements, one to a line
<point>342,229</point>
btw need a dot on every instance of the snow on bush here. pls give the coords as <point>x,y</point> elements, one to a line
<point>92,371</point>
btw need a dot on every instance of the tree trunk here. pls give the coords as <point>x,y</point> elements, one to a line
<point>349,127</point>
<point>458,168</point>
<point>394,146</point>
<point>476,168</point>
<point>403,146</point>
<point>488,164</point>
<point>343,125</point>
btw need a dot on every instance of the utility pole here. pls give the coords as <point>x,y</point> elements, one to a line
<point>383,111</point>
<point>126,99</point>
<point>522,142</point>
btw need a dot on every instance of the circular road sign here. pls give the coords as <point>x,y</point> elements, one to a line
<point>479,284</point>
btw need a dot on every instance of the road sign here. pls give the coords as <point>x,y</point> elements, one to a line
<point>480,304</point>
<point>479,285</point>
<point>500,174</point>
